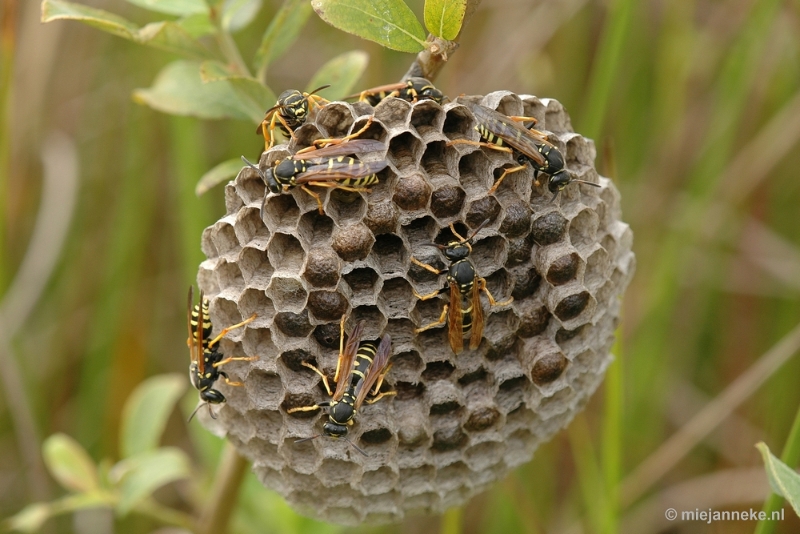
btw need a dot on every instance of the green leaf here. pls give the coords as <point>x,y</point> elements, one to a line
<point>29,519</point>
<point>146,412</point>
<point>237,14</point>
<point>32,517</point>
<point>282,31</point>
<point>197,25</point>
<point>443,18</point>
<point>173,7</point>
<point>784,480</point>
<point>178,89</point>
<point>342,73</point>
<point>69,463</point>
<point>253,98</point>
<point>139,476</point>
<point>387,22</point>
<point>227,170</point>
<point>164,35</point>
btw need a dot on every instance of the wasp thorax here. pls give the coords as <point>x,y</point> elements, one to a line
<point>457,422</point>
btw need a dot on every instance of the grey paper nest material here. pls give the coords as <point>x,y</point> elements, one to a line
<point>458,423</point>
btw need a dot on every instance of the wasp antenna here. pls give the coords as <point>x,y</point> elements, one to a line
<point>249,164</point>
<point>356,447</point>
<point>318,89</point>
<point>555,196</point>
<point>475,232</point>
<point>307,439</point>
<point>195,411</point>
<point>587,183</point>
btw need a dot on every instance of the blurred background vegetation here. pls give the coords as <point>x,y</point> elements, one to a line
<point>695,110</point>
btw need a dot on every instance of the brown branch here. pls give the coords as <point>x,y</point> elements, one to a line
<point>217,511</point>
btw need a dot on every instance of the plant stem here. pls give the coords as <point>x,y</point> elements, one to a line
<point>790,456</point>
<point>217,511</point>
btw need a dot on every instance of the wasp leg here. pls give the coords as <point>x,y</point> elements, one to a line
<point>380,396</point>
<point>518,118</point>
<point>229,381</point>
<point>303,409</point>
<point>427,267</point>
<point>267,129</point>
<point>340,140</point>
<point>453,229</point>
<point>506,172</point>
<point>228,329</point>
<point>316,197</point>
<point>235,359</point>
<point>320,373</point>
<point>316,100</point>
<point>479,143</point>
<point>335,185</point>
<point>341,351</point>
<point>442,319</point>
<point>482,287</point>
<point>378,384</point>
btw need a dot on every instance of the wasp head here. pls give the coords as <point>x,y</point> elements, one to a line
<point>559,181</point>
<point>212,396</point>
<point>457,250</point>
<point>268,177</point>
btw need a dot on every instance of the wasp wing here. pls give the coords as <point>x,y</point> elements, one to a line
<point>525,141</point>
<point>339,169</point>
<point>347,360</point>
<point>477,316</point>
<point>195,339</point>
<point>455,319</point>
<point>354,146</point>
<point>375,370</point>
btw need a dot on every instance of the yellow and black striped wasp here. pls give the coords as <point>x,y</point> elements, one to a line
<point>289,113</point>
<point>464,313</point>
<point>411,90</point>
<point>206,360</point>
<point>361,368</point>
<point>339,172</point>
<point>499,130</point>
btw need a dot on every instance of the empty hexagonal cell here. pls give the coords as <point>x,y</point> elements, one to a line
<point>556,404</point>
<point>233,201</point>
<point>353,242</point>
<point>504,102</point>
<point>549,228</point>
<point>286,253</point>
<point>335,119</point>
<point>472,377</point>
<point>405,150</point>
<point>475,173</point>
<point>526,282</point>
<point>408,391</point>
<point>488,254</point>
<point>378,481</point>
<point>280,212</point>
<point>390,253</point>
<point>223,237</point>
<point>373,318</point>
<point>322,267</point>
<point>327,305</point>
<point>516,220</point>
<point>440,370</point>
<point>431,257</point>
<point>396,298</point>
<point>419,232</point>
<point>249,185</point>
<point>579,150</point>
<point>511,393</point>
<point>345,207</point>
<point>533,107</point>
<point>412,192</point>
<point>264,390</point>
<point>393,112</point>
<point>229,276</point>
<point>501,327</point>
<point>255,267</point>
<point>249,227</point>
<point>255,301</point>
<point>406,364</point>
<point>433,160</point>
<point>287,293</point>
<point>402,332</point>
<point>427,117</point>
<point>598,266</point>
<point>583,228</point>
<point>458,123</point>
<point>362,282</point>
<point>333,472</point>
<point>314,227</point>
<point>375,436</point>
<point>381,218</point>
<point>305,136</point>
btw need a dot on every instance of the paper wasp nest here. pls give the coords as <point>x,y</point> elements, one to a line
<point>457,423</point>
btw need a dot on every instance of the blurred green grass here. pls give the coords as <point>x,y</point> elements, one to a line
<point>672,92</point>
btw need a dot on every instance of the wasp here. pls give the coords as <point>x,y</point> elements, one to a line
<point>361,365</point>
<point>499,130</point>
<point>464,312</point>
<point>206,360</point>
<point>345,173</point>
<point>411,90</point>
<point>289,113</point>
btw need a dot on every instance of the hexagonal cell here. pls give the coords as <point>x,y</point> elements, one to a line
<point>362,282</point>
<point>526,282</point>
<point>564,336</point>
<point>223,237</point>
<point>233,202</point>
<point>549,228</point>
<point>475,172</point>
<point>315,227</point>
<point>482,418</point>
<point>381,218</point>
<point>373,318</point>
<point>249,185</point>
<point>345,207</point>
<point>579,150</point>
<point>376,436</point>
<point>255,301</point>
<point>390,253</point>
<point>449,439</point>
<point>305,136</point>
<point>488,254</point>
<point>571,304</point>
<point>473,377</point>
<point>293,324</point>
<point>286,253</point>
<point>255,267</point>
<point>408,391</point>
<point>583,228</point>
<point>327,305</point>
<point>563,269</point>
<point>433,160</point>
<point>597,268</point>
<point>405,150</point>
<point>327,335</point>
<point>249,227</point>
<point>518,251</point>
<point>264,390</point>
<point>353,242</point>
<point>548,368</point>
<point>393,112</point>
<point>438,371</point>
<point>533,319</point>
<point>333,472</point>
<point>505,102</point>
<point>406,363</point>
<point>481,210</point>
<point>322,268</point>
<point>378,481</point>
<point>447,201</point>
<point>427,117</point>
<point>511,393</point>
<point>555,117</point>
<point>335,119</point>
<point>533,107</point>
<point>458,123</point>
<point>396,298</point>
<point>230,276</point>
<point>412,192</point>
<point>517,219</point>
<point>300,400</point>
<point>280,212</point>
<point>287,293</point>
<point>429,256</point>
